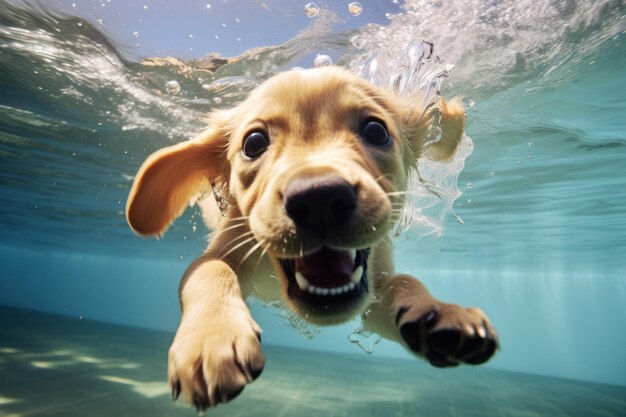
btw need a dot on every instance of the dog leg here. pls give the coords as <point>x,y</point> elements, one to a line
<point>445,334</point>
<point>217,347</point>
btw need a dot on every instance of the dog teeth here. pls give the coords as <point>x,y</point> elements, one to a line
<point>302,281</point>
<point>331,291</point>
<point>356,276</point>
<point>352,253</point>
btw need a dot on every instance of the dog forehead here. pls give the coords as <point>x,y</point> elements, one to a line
<point>311,92</point>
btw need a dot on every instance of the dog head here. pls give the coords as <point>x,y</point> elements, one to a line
<point>315,163</point>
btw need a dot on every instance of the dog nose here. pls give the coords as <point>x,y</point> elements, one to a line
<point>319,203</point>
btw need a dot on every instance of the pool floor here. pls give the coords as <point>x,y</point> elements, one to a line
<point>59,366</point>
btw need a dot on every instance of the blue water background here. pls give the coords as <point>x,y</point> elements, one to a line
<point>542,239</point>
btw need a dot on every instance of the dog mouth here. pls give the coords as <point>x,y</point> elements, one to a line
<point>330,278</point>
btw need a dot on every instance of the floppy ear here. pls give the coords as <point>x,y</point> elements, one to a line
<point>452,125</point>
<point>170,178</point>
<point>418,126</point>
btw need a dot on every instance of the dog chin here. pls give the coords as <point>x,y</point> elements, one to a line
<point>326,286</point>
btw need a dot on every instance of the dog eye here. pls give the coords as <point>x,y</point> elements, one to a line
<point>375,132</point>
<point>255,144</point>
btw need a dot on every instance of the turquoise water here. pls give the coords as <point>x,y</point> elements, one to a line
<point>536,234</point>
<point>59,366</point>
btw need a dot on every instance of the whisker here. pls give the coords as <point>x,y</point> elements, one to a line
<point>381,177</point>
<point>263,252</point>
<point>250,239</point>
<point>236,218</point>
<point>235,226</point>
<point>237,238</point>
<point>251,251</point>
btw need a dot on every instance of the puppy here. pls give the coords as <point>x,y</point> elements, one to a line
<point>309,173</point>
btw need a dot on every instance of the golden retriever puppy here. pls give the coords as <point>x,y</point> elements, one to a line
<point>309,173</point>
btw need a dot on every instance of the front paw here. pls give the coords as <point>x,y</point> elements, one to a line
<point>447,334</point>
<point>212,359</point>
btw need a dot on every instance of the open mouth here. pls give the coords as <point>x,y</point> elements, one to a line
<point>328,276</point>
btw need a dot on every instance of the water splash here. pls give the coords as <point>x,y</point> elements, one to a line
<point>307,330</point>
<point>496,44</point>
<point>432,193</point>
<point>67,86</point>
<point>413,73</point>
<point>322,60</point>
<point>364,339</point>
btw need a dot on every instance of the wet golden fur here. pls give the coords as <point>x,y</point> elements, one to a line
<point>312,118</point>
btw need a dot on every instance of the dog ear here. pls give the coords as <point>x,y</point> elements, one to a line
<point>171,177</point>
<point>419,125</point>
<point>452,126</point>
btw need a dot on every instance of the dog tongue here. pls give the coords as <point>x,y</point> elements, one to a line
<point>326,268</point>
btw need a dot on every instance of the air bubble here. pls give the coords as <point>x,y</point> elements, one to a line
<point>145,7</point>
<point>311,9</point>
<point>208,6</point>
<point>217,100</point>
<point>363,339</point>
<point>135,34</point>
<point>355,8</point>
<point>172,87</point>
<point>493,174</point>
<point>322,61</point>
<point>469,185</point>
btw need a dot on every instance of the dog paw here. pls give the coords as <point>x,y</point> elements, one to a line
<point>448,334</point>
<point>211,360</point>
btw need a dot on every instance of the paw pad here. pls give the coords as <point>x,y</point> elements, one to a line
<point>448,335</point>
